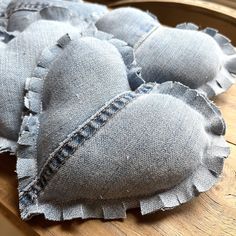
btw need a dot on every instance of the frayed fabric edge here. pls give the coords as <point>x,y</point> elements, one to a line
<point>27,141</point>
<point>226,76</point>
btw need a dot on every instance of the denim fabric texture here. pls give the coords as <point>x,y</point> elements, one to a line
<point>18,59</point>
<point>95,148</point>
<point>203,60</point>
<point>22,13</point>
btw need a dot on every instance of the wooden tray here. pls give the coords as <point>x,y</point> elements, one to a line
<point>212,213</point>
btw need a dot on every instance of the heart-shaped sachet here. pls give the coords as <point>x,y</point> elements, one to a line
<point>22,13</point>
<point>18,58</point>
<point>91,147</point>
<point>203,60</point>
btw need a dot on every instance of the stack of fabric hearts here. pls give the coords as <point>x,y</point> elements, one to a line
<point>107,110</point>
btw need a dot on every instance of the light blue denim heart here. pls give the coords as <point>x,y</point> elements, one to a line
<point>203,60</point>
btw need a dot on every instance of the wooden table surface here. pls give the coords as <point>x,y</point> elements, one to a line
<point>212,213</point>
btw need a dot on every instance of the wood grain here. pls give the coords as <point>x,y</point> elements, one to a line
<point>212,213</point>
<point>229,3</point>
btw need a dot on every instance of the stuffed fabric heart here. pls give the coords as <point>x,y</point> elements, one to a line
<point>22,13</point>
<point>18,59</point>
<point>94,148</point>
<point>203,60</point>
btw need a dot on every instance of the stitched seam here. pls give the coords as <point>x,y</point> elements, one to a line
<point>68,148</point>
<point>147,35</point>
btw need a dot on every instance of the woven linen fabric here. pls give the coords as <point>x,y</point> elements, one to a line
<point>18,59</point>
<point>203,60</point>
<point>93,148</point>
<point>22,13</point>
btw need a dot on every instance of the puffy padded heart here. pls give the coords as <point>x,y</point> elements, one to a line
<point>203,60</point>
<point>97,148</point>
<point>18,59</point>
<point>21,13</point>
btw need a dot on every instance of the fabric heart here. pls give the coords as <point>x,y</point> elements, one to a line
<point>94,148</point>
<point>18,59</point>
<point>203,60</point>
<point>22,13</point>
